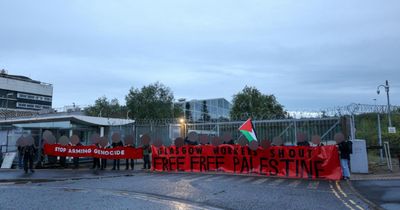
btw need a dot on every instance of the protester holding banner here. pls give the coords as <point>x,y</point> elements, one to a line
<point>103,161</point>
<point>345,149</point>
<point>76,159</point>
<point>116,161</point>
<point>96,161</point>
<point>132,163</point>
<point>146,157</point>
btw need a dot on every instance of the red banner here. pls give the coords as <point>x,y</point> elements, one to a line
<point>286,161</point>
<point>93,151</point>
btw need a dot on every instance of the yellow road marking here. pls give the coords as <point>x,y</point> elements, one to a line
<point>355,204</point>
<point>338,196</point>
<point>340,189</point>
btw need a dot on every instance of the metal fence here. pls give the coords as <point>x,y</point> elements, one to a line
<point>287,129</point>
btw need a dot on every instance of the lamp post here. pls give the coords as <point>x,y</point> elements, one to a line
<point>386,86</point>
<point>7,96</point>
<point>379,133</point>
<point>183,124</point>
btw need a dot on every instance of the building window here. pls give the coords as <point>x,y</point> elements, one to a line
<point>34,97</point>
<point>32,106</point>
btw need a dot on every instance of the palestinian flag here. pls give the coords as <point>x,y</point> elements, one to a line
<point>247,129</point>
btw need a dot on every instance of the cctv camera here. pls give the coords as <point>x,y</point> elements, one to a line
<point>378,91</point>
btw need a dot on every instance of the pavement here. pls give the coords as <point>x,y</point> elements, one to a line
<point>380,188</point>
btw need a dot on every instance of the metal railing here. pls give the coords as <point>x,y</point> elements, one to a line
<point>287,129</point>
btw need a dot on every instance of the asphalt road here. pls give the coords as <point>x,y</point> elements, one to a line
<point>179,191</point>
<point>385,193</point>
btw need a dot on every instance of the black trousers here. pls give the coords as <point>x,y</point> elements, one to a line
<point>116,164</point>
<point>96,163</point>
<point>28,159</point>
<point>76,162</point>
<point>103,164</point>
<point>127,164</point>
<point>146,161</point>
<point>63,162</point>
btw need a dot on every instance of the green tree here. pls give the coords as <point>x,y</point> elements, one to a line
<point>106,108</point>
<point>250,102</point>
<point>154,101</point>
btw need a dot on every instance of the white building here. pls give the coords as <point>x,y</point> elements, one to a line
<point>23,93</point>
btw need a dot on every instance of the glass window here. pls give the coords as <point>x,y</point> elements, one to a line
<point>220,103</point>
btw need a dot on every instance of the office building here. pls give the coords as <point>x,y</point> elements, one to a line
<point>19,93</point>
<point>205,110</point>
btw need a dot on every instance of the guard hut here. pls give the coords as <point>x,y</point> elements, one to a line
<point>61,125</point>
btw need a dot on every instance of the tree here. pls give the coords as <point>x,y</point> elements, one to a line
<point>106,108</point>
<point>250,102</point>
<point>204,112</point>
<point>154,101</point>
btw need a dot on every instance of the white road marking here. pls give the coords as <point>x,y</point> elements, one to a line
<point>260,181</point>
<point>295,183</point>
<point>276,182</point>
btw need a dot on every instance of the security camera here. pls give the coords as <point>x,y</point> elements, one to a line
<point>378,91</point>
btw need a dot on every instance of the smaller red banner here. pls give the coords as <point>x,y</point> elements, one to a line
<point>93,151</point>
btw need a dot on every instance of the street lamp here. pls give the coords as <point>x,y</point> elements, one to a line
<point>183,124</point>
<point>7,96</point>
<point>379,133</point>
<point>386,86</point>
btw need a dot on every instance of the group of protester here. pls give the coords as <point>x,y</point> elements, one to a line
<point>345,148</point>
<point>129,163</point>
<point>27,154</point>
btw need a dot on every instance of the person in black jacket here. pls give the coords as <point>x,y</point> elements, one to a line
<point>29,154</point>
<point>345,149</point>
<point>116,161</point>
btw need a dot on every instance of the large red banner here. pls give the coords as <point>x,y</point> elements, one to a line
<point>286,161</point>
<point>93,151</point>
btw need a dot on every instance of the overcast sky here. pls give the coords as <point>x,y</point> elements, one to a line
<point>309,54</point>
